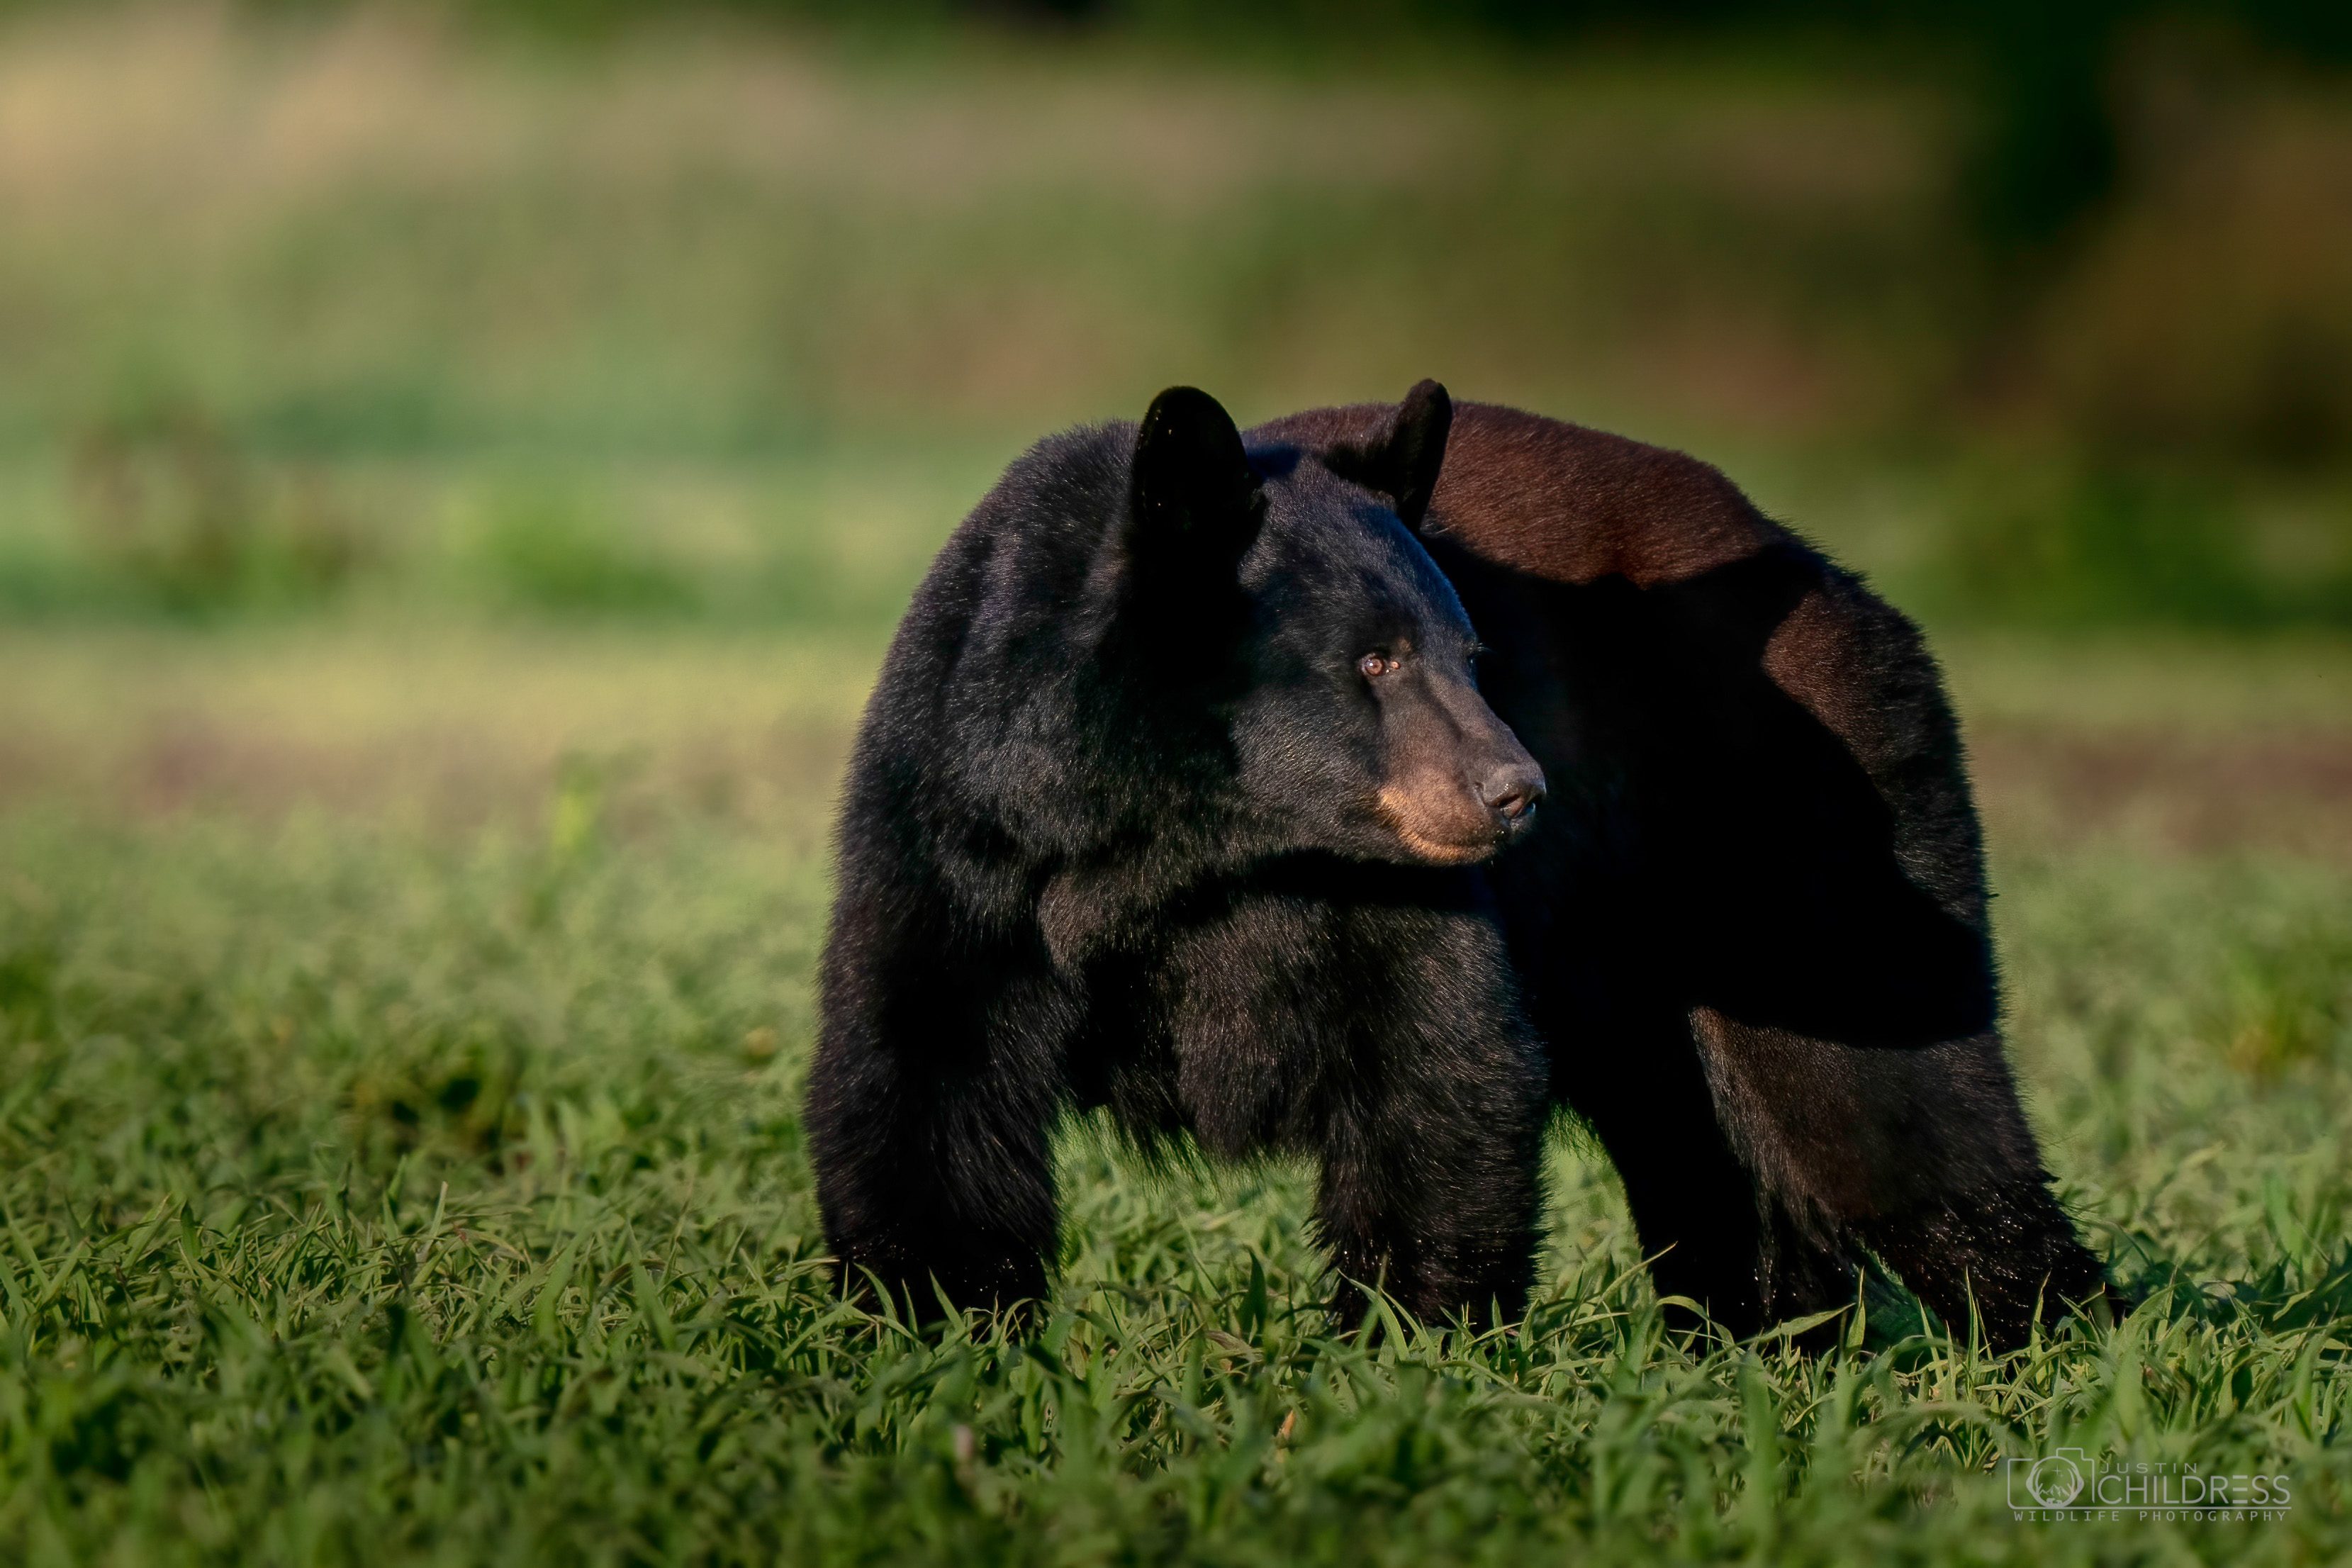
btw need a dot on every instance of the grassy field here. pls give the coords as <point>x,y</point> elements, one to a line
<point>453,496</point>
<point>401,1165</point>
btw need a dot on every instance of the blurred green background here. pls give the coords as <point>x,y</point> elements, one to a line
<point>576,307</point>
<point>368,374</point>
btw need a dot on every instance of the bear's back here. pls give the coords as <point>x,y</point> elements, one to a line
<point>1551,503</point>
<point>1560,501</point>
<point>1572,505</point>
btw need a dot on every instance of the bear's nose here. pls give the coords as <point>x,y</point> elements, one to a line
<point>1511,791</point>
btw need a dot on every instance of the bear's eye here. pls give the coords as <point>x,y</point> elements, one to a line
<point>1374,664</point>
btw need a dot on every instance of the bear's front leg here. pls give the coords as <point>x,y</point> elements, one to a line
<point>930,1104</point>
<point>1432,1125</point>
<point>1432,1192</point>
<point>1380,1029</point>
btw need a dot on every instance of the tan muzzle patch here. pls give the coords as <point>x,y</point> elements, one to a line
<point>1438,821</point>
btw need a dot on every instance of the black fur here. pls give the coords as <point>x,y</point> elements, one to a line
<point>1177,796</point>
<point>1110,839</point>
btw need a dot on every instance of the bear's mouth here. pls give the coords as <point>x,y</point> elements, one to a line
<point>1440,853</point>
<point>1460,841</point>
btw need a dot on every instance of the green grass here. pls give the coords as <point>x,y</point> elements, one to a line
<point>380,1196</point>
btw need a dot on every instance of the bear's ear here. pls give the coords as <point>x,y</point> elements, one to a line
<point>1195,500</point>
<point>1401,461</point>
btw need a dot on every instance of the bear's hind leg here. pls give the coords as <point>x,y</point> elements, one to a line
<point>2009,1251</point>
<point>1921,1154</point>
<point>1712,1231</point>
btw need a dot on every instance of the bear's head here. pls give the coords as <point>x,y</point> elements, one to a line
<point>1289,589</point>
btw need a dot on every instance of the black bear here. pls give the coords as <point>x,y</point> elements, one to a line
<point>1189,791</point>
